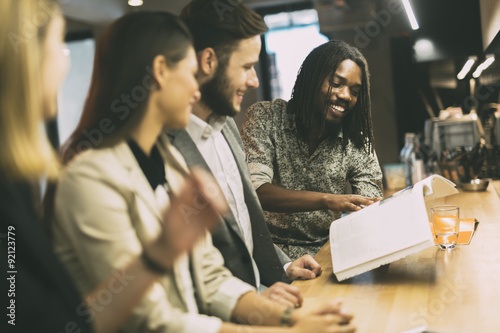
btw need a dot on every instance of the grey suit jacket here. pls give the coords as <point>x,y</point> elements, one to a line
<point>227,237</point>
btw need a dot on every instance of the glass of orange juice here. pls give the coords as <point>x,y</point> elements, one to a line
<point>446,220</point>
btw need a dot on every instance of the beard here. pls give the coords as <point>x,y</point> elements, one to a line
<point>216,94</point>
<point>330,127</point>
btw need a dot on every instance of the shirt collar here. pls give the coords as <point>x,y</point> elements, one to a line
<point>200,130</point>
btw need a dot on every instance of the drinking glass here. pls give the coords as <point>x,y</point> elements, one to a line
<point>446,221</point>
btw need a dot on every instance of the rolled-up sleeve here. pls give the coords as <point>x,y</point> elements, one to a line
<point>223,290</point>
<point>228,295</point>
<point>163,317</point>
<point>260,174</point>
<point>258,144</point>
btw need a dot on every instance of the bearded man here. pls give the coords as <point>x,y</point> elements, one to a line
<point>227,42</point>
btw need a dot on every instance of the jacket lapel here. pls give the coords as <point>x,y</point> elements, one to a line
<point>183,142</point>
<point>239,156</point>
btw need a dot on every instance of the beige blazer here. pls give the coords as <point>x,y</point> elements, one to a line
<point>105,210</point>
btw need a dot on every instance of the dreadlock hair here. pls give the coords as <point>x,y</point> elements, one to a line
<point>319,65</point>
<point>221,25</point>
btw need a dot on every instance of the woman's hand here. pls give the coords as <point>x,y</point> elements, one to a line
<point>322,317</point>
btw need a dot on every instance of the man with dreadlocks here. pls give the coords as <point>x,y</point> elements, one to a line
<point>302,153</point>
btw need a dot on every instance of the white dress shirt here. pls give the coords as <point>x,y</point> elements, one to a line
<point>215,150</point>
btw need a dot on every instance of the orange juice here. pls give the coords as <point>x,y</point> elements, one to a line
<point>446,224</point>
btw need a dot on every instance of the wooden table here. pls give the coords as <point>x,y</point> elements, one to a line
<point>447,291</point>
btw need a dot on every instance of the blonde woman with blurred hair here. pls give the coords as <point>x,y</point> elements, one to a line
<point>40,295</point>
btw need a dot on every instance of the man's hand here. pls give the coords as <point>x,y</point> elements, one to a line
<point>285,294</point>
<point>348,202</point>
<point>303,268</point>
<point>327,313</point>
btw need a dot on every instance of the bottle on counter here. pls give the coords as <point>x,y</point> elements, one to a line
<point>431,164</point>
<point>482,158</point>
<point>417,163</point>
<point>405,157</point>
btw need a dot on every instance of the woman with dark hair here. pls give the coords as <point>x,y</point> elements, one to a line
<point>40,294</point>
<point>122,172</point>
<point>324,139</point>
<point>131,57</point>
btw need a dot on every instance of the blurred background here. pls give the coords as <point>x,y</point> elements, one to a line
<point>432,63</point>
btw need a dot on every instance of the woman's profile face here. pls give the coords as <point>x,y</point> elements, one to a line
<point>55,65</point>
<point>180,92</point>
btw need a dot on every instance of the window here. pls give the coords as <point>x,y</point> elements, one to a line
<point>74,89</point>
<point>291,37</point>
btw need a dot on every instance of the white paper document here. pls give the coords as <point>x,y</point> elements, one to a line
<point>387,230</point>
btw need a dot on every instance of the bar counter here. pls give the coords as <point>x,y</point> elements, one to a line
<point>446,291</point>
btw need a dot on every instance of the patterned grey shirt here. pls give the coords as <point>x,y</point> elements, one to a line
<point>277,155</point>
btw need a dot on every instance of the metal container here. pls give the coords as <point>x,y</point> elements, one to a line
<point>456,132</point>
<point>476,185</point>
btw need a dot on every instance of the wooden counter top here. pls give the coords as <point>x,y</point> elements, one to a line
<point>455,291</point>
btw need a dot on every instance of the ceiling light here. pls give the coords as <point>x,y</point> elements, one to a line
<point>465,70</point>
<point>479,70</point>
<point>135,3</point>
<point>424,48</point>
<point>411,16</point>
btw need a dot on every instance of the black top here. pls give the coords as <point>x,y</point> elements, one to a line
<point>41,296</point>
<point>152,166</point>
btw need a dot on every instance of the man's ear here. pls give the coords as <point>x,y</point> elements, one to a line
<point>160,70</point>
<point>207,60</point>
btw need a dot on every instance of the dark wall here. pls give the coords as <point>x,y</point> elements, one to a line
<point>453,27</point>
